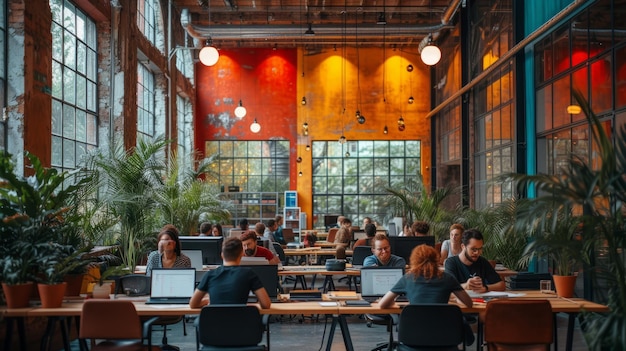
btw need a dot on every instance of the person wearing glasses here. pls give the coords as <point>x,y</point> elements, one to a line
<point>472,270</point>
<point>382,256</point>
<point>168,253</point>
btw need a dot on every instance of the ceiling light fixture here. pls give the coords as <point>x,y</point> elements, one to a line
<point>401,124</point>
<point>359,117</point>
<point>381,19</point>
<point>310,32</point>
<point>255,127</point>
<point>430,53</point>
<point>209,54</point>
<point>240,111</point>
<point>308,148</point>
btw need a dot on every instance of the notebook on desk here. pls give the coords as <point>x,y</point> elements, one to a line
<point>172,285</point>
<point>377,281</point>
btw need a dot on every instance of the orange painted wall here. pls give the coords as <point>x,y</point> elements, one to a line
<point>273,84</point>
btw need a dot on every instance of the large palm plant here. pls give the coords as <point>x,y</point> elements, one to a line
<point>128,181</point>
<point>413,202</point>
<point>597,195</point>
<point>185,196</point>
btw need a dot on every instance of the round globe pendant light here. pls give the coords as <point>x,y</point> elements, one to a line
<point>255,127</point>
<point>240,111</point>
<point>209,54</point>
<point>431,54</point>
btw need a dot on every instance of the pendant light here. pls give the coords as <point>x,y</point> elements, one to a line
<point>429,52</point>
<point>208,54</point>
<point>255,127</point>
<point>240,111</point>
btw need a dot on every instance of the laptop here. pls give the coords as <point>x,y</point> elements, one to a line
<point>268,274</point>
<point>172,285</point>
<point>249,261</point>
<point>377,281</point>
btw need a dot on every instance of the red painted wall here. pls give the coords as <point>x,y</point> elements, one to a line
<point>265,81</point>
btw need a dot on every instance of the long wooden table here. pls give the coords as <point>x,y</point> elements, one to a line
<point>338,312</point>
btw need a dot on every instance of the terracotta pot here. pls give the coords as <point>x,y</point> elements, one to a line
<point>74,284</point>
<point>564,285</point>
<point>18,295</point>
<point>52,294</point>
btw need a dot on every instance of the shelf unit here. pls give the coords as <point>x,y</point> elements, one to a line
<point>256,207</point>
<point>292,219</point>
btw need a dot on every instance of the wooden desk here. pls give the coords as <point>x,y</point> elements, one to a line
<point>338,312</point>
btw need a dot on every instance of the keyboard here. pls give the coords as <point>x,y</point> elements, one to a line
<point>357,303</point>
<point>167,301</point>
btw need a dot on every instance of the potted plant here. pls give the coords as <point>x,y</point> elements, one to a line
<point>103,281</point>
<point>32,215</point>
<point>557,238</point>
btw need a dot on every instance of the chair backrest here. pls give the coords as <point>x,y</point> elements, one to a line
<point>230,326</point>
<point>332,233</point>
<point>359,253</point>
<point>288,235</point>
<point>431,325</point>
<point>280,252</point>
<point>133,284</point>
<point>109,319</point>
<point>510,324</point>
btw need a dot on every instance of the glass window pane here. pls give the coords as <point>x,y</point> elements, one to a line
<point>57,151</point>
<point>57,117</point>
<point>81,126</point>
<point>69,154</point>
<point>92,129</point>
<point>69,122</point>
<point>69,86</point>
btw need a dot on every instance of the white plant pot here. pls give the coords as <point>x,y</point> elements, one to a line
<point>101,291</point>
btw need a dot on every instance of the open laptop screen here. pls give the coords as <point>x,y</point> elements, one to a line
<point>195,256</point>
<point>377,281</point>
<point>268,274</point>
<point>173,282</point>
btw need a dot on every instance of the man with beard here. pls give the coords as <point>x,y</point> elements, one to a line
<point>251,249</point>
<point>472,270</point>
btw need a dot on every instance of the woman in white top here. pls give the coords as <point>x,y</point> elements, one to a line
<point>452,247</point>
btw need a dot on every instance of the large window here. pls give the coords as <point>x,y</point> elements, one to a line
<point>494,138</point>
<point>148,22</point>
<point>74,82</point>
<point>185,133</point>
<point>253,166</point>
<point>351,178</point>
<point>145,102</point>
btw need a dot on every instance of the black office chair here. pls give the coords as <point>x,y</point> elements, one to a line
<point>431,327</point>
<point>138,285</point>
<point>232,327</point>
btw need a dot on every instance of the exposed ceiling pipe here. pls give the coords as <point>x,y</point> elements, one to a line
<point>295,32</point>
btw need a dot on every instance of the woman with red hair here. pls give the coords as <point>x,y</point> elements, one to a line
<point>425,282</point>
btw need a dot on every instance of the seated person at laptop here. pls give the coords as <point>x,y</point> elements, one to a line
<point>230,284</point>
<point>251,249</point>
<point>382,256</point>
<point>278,234</point>
<point>168,254</point>
<point>425,283</point>
<point>259,230</point>
<point>472,270</point>
<point>370,232</point>
<point>420,228</point>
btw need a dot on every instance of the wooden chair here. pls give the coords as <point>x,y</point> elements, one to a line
<point>231,327</point>
<point>115,322</point>
<point>516,325</point>
<point>332,232</point>
<point>433,327</point>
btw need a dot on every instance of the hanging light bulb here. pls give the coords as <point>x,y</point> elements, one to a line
<point>411,99</point>
<point>342,140</point>
<point>347,153</point>
<point>300,174</point>
<point>303,101</point>
<point>430,53</point>
<point>401,125</point>
<point>299,159</point>
<point>305,128</point>
<point>308,148</point>
<point>240,111</point>
<point>255,127</point>
<point>385,131</point>
<point>359,117</point>
<point>208,54</point>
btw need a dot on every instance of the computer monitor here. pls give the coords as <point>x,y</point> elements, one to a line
<point>268,274</point>
<point>392,229</point>
<point>211,247</point>
<point>403,245</point>
<point>330,220</point>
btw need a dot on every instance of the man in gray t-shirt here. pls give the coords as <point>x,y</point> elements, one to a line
<point>381,249</point>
